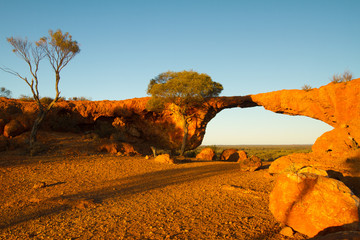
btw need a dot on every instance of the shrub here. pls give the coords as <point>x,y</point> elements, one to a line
<point>79,99</point>
<point>26,98</point>
<point>338,78</point>
<point>5,92</point>
<point>46,100</point>
<point>347,76</point>
<point>306,87</point>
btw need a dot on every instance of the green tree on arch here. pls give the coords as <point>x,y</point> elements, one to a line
<point>185,90</point>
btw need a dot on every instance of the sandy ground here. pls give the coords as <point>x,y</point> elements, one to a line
<point>73,194</point>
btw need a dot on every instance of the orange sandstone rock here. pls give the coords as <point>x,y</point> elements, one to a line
<point>242,155</point>
<point>206,154</point>
<point>164,158</point>
<point>251,164</point>
<point>130,121</point>
<point>310,203</point>
<point>230,155</point>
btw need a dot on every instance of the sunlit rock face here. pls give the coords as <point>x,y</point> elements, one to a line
<point>310,203</point>
<point>130,121</point>
<point>335,104</point>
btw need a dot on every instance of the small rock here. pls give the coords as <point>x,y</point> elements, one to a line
<point>164,158</point>
<point>39,185</point>
<point>287,231</point>
<point>228,187</point>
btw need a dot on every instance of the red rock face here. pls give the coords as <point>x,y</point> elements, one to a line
<point>309,203</point>
<point>130,121</point>
<point>335,104</point>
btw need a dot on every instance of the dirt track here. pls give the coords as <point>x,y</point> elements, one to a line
<point>93,196</point>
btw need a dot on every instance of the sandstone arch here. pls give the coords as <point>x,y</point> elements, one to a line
<point>334,104</point>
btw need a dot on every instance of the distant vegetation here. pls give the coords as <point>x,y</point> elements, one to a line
<point>79,99</point>
<point>264,152</point>
<point>5,92</point>
<point>306,87</point>
<point>339,78</point>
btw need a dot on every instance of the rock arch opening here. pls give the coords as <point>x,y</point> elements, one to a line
<point>257,126</point>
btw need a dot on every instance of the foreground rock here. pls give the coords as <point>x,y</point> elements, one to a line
<point>207,154</point>
<point>309,203</point>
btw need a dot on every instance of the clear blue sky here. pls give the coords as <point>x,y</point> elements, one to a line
<point>248,46</point>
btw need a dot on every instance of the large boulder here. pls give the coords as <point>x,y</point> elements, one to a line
<point>13,128</point>
<point>229,155</point>
<point>292,162</point>
<point>309,203</point>
<point>251,164</point>
<point>242,155</point>
<point>206,154</point>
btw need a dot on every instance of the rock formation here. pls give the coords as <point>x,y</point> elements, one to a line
<point>130,121</point>
<point>250,164</point>
<point>207,154</point>
<point>230,155</point>
<point>310,203</point>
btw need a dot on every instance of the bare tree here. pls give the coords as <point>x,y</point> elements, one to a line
<point>59,49</point>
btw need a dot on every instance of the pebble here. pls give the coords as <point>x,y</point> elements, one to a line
<point>287,231</point>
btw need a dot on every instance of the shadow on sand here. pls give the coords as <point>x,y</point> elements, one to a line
<point>120,188</point>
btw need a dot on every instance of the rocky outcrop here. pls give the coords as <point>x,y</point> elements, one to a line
<point>336,104</point>
<point>309,203</point>
<point>130,121</point>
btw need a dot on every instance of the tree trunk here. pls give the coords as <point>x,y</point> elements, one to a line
<point>186,133</point>
<point>36,127</point>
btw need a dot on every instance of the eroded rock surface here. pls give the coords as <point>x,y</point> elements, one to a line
<point>310,203</point>
<point>130,121</point>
